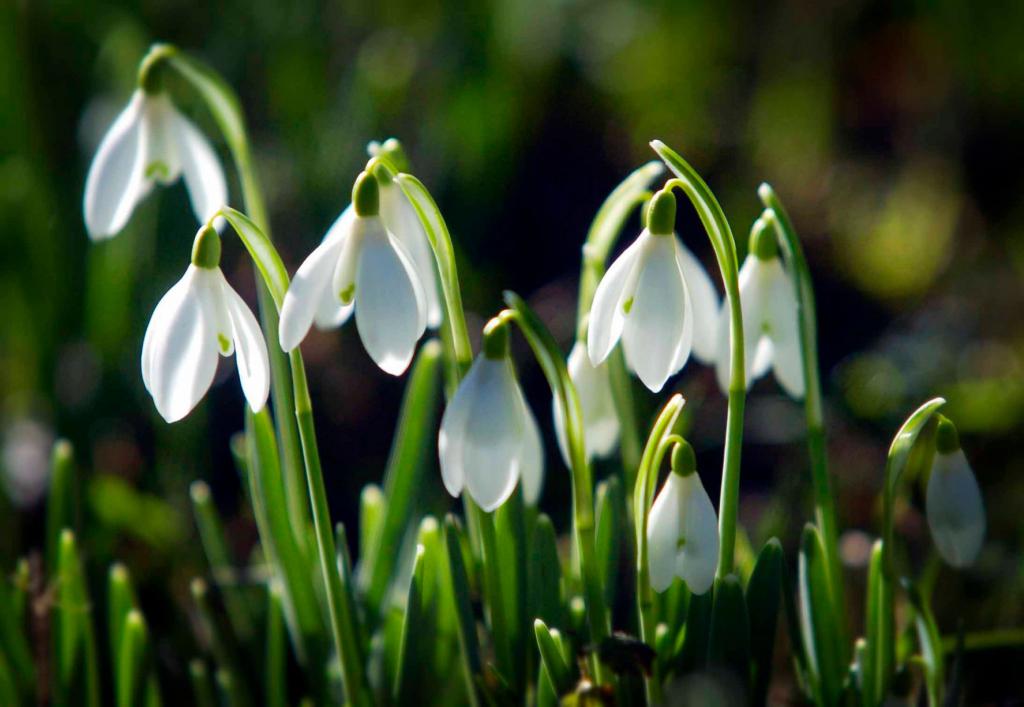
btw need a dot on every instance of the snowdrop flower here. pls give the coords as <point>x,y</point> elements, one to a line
<point>953,504</point>
<point>682,530</point>
<point>150,142</point>
<point>771,334</point>
<point>362,266</point>
<point>198,318</point>
<point>489,439</point>
<point>600,421</point>
<point>658,299</point>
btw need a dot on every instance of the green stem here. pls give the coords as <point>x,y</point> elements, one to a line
<point>346,638</point>
<point>824,498</point>
<point>724,245</point>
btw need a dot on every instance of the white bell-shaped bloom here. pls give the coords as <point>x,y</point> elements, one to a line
<point>489,439</point>
<point>360,266</point>
<point>682,532</point>
<point>657,298</point>
<point>600,421</point>
<point>199,318</point>
<point>150,142</point>
<point>771,333</point>
<point>953,504</point>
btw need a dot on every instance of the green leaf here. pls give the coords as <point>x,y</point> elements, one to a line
<point>818,616</point>
<point>202,688</point>
<point>552,658</point>
<point>211,534</point>
<point>692,649</point>
<point>61,500</point>
<point>413,446</point>
<point>545,582</point>
<point>284,552</point>
<point>468,644</point>
<point>120,601</point>
<point>903,443</point>
<point>77,672</point>
<point>131,660</point>
<point>610,531</point>
<point>223,644</point>
<point>14,645</point>
<point>411,681</point>
<point>8,684</point>
<point>729,637</point>
<point>764,595</point>
<point>877,648</point>
<point>275,666</point>
<point>372,507</point>
<point>930,642</point>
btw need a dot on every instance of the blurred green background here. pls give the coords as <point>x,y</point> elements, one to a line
<point>890,130</point>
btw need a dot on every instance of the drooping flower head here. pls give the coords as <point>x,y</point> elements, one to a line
<point>658,299</point>
<point>489,439</point>
<point>682,529</point>
<point>771,334</point>
<point>361,266</point>
<point>600,419</point>
<point>149,143</point>
<point>953,503</point>
<point>199,318</point>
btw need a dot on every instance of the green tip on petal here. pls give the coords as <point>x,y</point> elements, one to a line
<point>206,248</point>
<point>762,240</point>
<point>684,461</point>
<point>496,344</point>
<point>661,214</point>
<point>947,439</point>
<point>366,195</point>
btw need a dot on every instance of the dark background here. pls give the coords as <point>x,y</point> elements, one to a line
<point>890,130</point>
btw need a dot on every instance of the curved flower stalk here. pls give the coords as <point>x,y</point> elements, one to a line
<point>600,419</point>
<point>489,439</point>
<point>657,299</point>
<point>198,318</point>
<point>149,143</point>
<point>953,503</point>
<point>770,328</point>
<point>682,530</point>
<point>361,265</point>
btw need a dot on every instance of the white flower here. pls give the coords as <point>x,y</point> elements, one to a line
<point>489,439</point>
<point>600,420</point>
<point>150,142</point>
<point>771,334</point>
<point>198,318</point>
<point>657,298</point>
<point>682,534</point>
<point>360,265</point>
<point>953,504</point>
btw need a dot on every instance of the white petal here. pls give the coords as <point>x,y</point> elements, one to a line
<point>531,454</point>
<point>390,312</point>
<point>306,293</point>
<point>402,221</point>
<point>600,420</point>
<point>704,299</point>
<point>481,440</point>
<point>250,349</point>
<point>663,534</point>
<point>330,312</point>
<point>115,182</point>
<point>161,159</point>
<point>697,560</point>
<point>784,329</point>
<point>955,510</point>
<point>604,326</point>
<point>180,351</point>
<point>658,330</point>
<point>204,177</point>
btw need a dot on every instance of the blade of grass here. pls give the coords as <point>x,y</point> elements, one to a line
<point>131,660</point>
<point>818,620</point>
<point>729,637</point>
<point>61,499</point>
<point>468,645</point>
<point>77,669</point>
<point>764,594</point>
<point>276,691</point>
